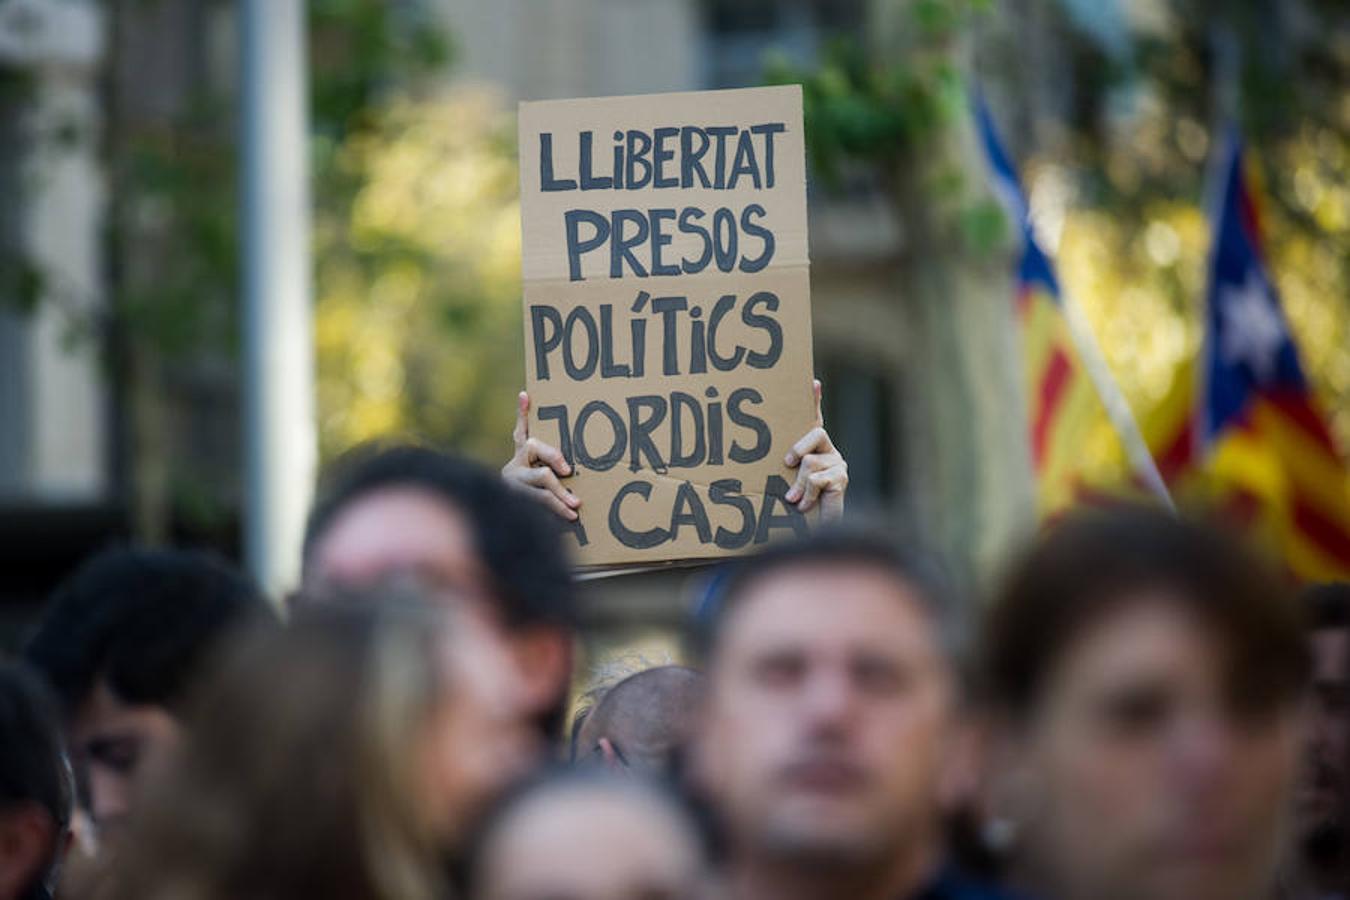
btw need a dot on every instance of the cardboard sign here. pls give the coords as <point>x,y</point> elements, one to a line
<point>668,315</point>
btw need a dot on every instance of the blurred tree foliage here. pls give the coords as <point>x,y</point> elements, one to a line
<point>21,280</point>
<point>418,314</point>
<point>1122,187</point>
<point>417,239</point>
<point>174,171</point>
<point>889,107</point>
<point>415,234</point>
<point>1112,108</point>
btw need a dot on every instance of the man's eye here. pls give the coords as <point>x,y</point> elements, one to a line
<point>878,676</point>
<point>779,670</point>
<point>121,756</point>
<point>1136,712</point>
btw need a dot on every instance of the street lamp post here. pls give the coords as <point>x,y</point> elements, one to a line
<point>278,348</point>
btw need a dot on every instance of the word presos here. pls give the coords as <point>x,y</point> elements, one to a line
<point>685,157</point>
<point>623,230</point>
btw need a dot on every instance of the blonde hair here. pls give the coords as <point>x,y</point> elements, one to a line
<point>296,776</point>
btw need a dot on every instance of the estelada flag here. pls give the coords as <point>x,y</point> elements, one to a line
<point>1267,452</point>
<point>1067,421</point>
<point>1064,413</point>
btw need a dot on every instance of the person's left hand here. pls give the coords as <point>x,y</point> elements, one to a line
<point>822,473</point>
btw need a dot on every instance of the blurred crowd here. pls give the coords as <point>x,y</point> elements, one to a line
<point>1141,708</point>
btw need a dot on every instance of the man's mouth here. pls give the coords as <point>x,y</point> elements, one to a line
<point>824,775</point>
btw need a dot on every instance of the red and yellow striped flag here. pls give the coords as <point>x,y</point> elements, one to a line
<point>1267,453</point>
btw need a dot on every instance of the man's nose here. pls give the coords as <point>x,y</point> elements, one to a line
<point>107,794</point>
<point>1203,749</point>
<point>829,698</point>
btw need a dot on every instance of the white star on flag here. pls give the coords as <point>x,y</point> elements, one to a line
<point>1252,330</point>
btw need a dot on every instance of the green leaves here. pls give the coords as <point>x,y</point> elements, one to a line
<point>857,110</point>
<point>887,110</point>
<point>22,282</point>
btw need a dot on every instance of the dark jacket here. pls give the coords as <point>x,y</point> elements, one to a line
<point>952,884</point>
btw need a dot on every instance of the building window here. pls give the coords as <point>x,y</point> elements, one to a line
<point>740,34</point>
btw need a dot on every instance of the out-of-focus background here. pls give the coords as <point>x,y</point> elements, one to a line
<point>120,252</point>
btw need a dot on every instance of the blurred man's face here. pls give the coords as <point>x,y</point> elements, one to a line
<point>407,531</point>
<point>1321,791</point>
<point>585,843</point>
<point>1149,778</point>
<point>474,741</point>
<point>830,717</point>
<point>114,744</point>
<point>400,531</point>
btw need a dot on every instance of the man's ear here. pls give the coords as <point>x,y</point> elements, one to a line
<point>963,766</point>
<point>1013,790</point>
<point>26,837</point>
<point>543,655</point>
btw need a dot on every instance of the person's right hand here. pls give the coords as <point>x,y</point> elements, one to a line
<point>536,467</point>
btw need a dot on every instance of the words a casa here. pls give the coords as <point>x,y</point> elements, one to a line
<point>755,523</point>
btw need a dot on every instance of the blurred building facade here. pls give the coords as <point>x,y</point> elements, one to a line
<point>55,420</point>
<point>915,352</point>
<point>91,411</point>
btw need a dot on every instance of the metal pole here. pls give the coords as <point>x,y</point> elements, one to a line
<point>278,354</point>
<point>1113,399</point>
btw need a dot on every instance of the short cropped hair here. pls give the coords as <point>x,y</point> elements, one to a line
<point>33,764</point>
<point>1090,563</point>
<point>144,621</point>
<point>837,547</point>
<point>519,541</point>
<point>468,868</point>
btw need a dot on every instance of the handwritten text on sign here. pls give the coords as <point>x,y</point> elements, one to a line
<point>667,314</point>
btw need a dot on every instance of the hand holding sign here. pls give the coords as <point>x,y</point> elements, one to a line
<point>822,472</point>
<point>537,466</point>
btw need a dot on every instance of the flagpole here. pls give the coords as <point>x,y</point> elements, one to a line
<point>1009,189</point>
<point>1117,407</point>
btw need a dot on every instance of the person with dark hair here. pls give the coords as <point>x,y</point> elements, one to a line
<point>496,557</point>
<point>588,835</point>
<point>36,788</point>
<point>1146,676</point>
<point>832,740</point>
<point>123,642</point>
<point>642,723</point>
<point>1319,867</point>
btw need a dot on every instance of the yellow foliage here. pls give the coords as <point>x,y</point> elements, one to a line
<point>418,283</point>
<point>1143,291</point>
